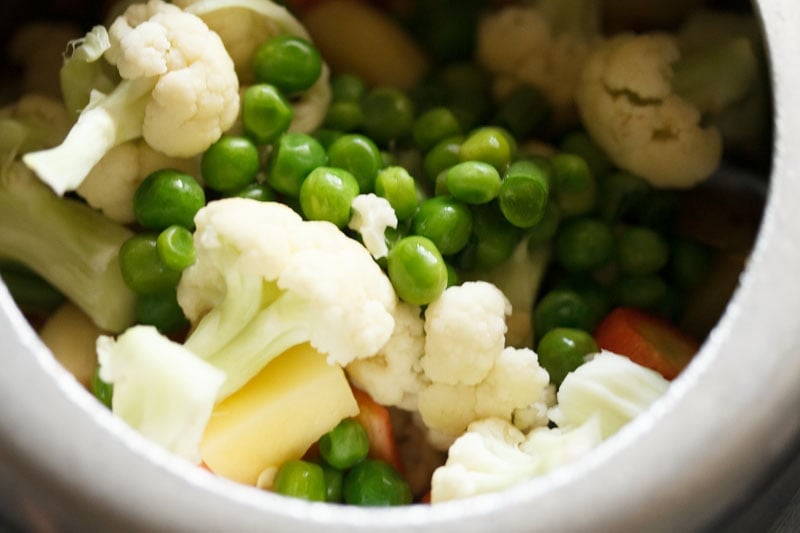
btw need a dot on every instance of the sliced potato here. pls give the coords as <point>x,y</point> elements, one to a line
<point>71,336</point>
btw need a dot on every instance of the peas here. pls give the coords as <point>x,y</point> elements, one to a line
<point>641,251</point>
<point>433,126</point>
<point>584,244</point>
<point>344,116</point>
<point>266,114</point>
<point>161,310</point>
<point>388,114</point>
<point>295,156</point>
<point>491,145</point>
<point>347,88</point>
<point>175,247</point>
<point>523,111</point>
<point>417,270</point>
<point>523,193</point>
<point>168,197</point>
<point>290,63</point>
<point>445,221</point>
<point>620,194</point>
<point>658,210</point>
<point>398,187</point>
<point>345,445</point>
<point>230,163</point>
<point>644,291</point>
<point>301,479</point>
<point>574,186</point>
<point>142,268</point>
<point>326,194</point>
<point>579,143</point>
<point>442,156</point>
<point>691,263</point>
<point>257,191</point>
<point>562,350</point>
<point>333,483</point>
<point>561,308</point>
<point>543,231</point>
<point>101,390</point>
<point>375,483</point>
<point>494,238</point>
<point>473,182</point>
<point>358,155</point>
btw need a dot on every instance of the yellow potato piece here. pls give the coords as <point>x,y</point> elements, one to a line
<point>276,416</point>
<point>72,336</point>
<point>356,38</point>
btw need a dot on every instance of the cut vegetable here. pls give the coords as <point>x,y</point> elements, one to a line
<point>277,415</point>
<point>647,340</point>
<point>375,419</point>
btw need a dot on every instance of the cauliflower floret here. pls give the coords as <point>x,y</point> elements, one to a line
<point>626,100</point>
<point>113,181</point>
<point>179,91</point>
<point>394,377</point>
<point>371,216</point>
<point>544,45</point>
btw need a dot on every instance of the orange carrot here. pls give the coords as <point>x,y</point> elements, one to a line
<point>647,340</point>
<point>375,419</point>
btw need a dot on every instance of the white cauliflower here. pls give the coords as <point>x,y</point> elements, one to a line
<point>265,280</point>
<point>544,45</point>
<point>371,215</point>
<point>179,91</point>
<point>644,104</point>
<point>112,182</point>
<point>394,376</point>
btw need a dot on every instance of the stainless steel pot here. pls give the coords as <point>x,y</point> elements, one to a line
<point>724,427</point>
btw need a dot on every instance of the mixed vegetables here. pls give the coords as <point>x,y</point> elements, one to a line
<point>380,255</point>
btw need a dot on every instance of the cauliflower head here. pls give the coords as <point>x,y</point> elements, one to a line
<point>371,216</point>
<point>626,101</point>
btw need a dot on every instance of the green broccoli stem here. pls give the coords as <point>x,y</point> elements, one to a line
<point>108,121</point>
<point>282,324</point>
<point>718,76</point>
<point>68,244</point>
<point>577,17</point>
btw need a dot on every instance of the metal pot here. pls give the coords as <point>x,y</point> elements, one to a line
<point>727,423</point>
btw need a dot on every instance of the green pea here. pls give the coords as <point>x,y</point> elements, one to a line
<point>168,197</point>
<point>494,239</point>
<point>453,278</point>
<point>690,263</point>
<point>491,145</point>
<point>375,483</point>
<point>643,291</point>
<point>175,246</point>
<point>326,194</point>
<point>561,309</point>
<point>619,194</point>
<point>333,483</point>
<point>467,91</point>
<point>641,250</point>
<point>579,143</point>
<point>473,182</point>
<point>417,270</point>
<point>301,479</point>
<point>101,390</point>
<point>257,191</point>
<point>230,163</point>
<point>595,295</point>
<point>574,186</point>
<point>524,193</point>
<point>290,63</point>
<point>358,155</point>
<point>562,350</point>
<point>347,88</point>
<point>266,113</point>
<point>442,156</point>
<point>400,189</point>
<point>326,136</point>
<point>344,445</point>
<point>658,209</point>
<point>584,244</point>
<point>388,114</point>
<point>523,111</point>
<point>161,310</point>
<point>344,116</point>
<point>142,268</point>
<point>446,221</point>
<point>434,126</point>
<point>295,155</point>
<point>545,230</point>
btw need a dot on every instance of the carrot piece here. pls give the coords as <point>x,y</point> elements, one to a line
<point>375,419</point>
<point>647,340</point>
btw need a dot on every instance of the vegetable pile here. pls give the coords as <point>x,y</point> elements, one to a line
<point>378,256</point>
